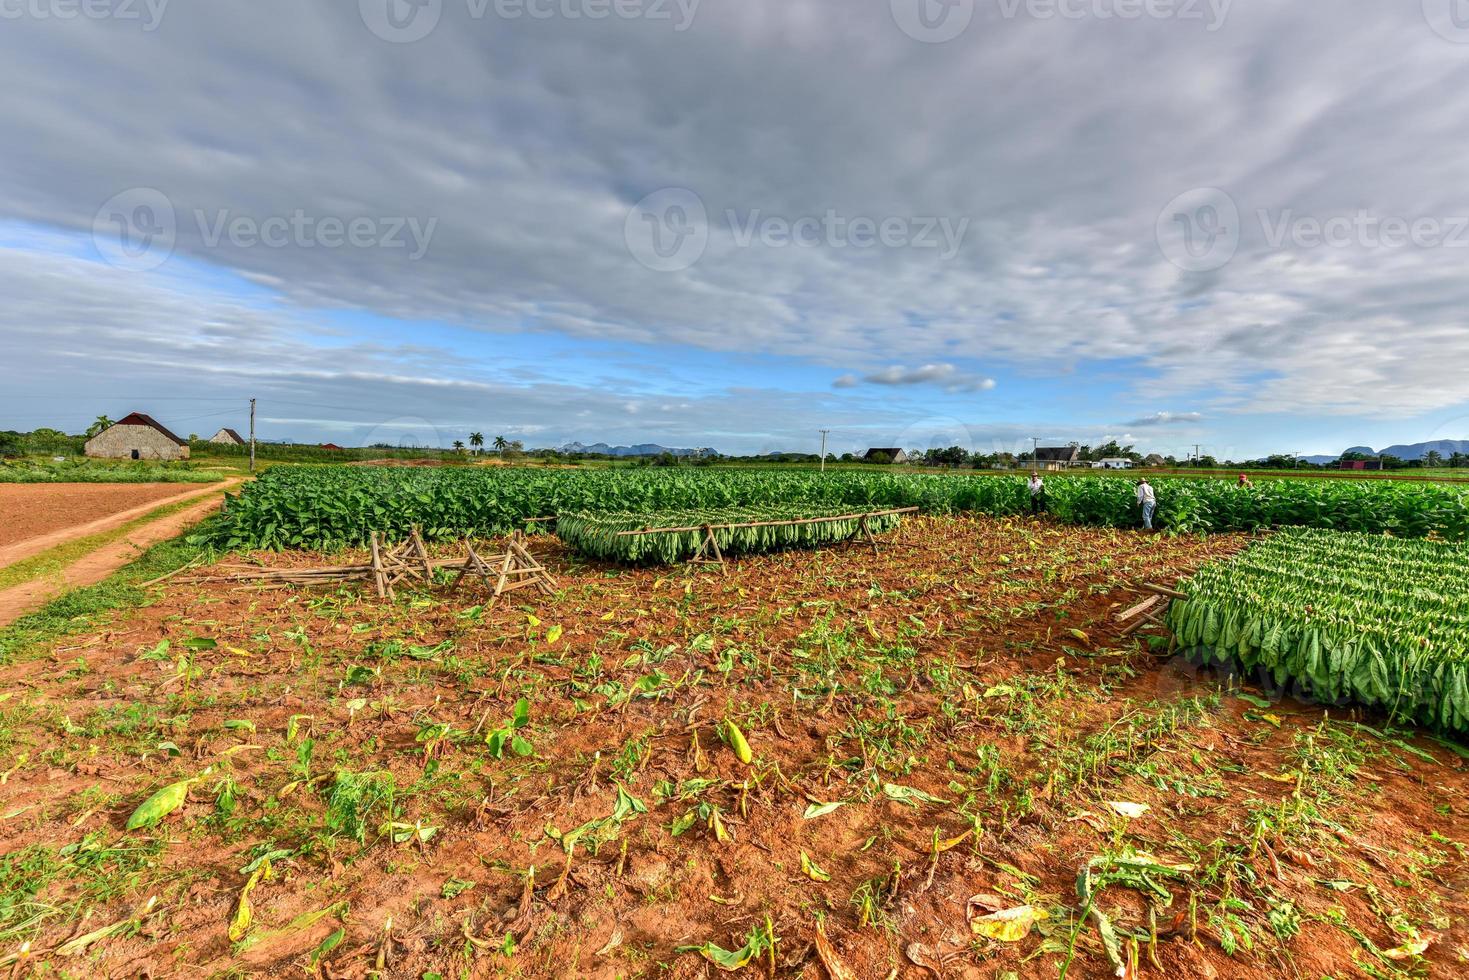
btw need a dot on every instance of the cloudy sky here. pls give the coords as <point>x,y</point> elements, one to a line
<point>735,222</point>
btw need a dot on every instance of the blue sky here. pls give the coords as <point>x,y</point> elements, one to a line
<point>740,226</point>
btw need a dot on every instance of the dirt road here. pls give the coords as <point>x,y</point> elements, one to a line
<point>97,565</point>
<point>35,517</point>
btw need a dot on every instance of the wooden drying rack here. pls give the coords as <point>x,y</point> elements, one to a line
<point>514,568</point>
<point>709,546</point>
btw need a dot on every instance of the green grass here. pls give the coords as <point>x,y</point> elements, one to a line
<point>83,470</point>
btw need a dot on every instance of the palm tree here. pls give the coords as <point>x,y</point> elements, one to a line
<point>103,422</point>
<point>477,440</point>
<point>458,446</point>
<point>501,445</point>
<point>1433,458</point>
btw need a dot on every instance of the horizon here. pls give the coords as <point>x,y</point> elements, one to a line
<point>1241,229</point>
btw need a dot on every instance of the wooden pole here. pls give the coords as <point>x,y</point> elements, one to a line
<point>252,435</point>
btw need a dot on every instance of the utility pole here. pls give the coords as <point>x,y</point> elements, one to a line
<point>252,435</point>
<point>823,449</point>
<point>1197,455</point>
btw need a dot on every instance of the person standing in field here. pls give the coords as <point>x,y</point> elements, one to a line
<point>1147,500</point>
<point>1037,494</point>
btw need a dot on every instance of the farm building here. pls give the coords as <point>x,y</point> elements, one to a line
<point>1113,464</point>
<point>1057,458</point>
<point>885,456</point>
<point>138,436</point>
<point>227,437</point>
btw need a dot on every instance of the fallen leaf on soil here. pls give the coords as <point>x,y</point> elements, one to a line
<point>812,870</point>
<point>244,911</point>
<point>1407,950</point>
<point>1129,810</point>
<point>1010,925</point>
<point>834,964</point>
<point>738,743</point>
<point>820,810</point>
<point>925,957</point>
<point>612,943</point>
<point>907,795</point>
<point>159,805</point>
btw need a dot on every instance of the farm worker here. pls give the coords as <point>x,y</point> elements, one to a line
<point>1244,480</point>
<point>1037,493</point>
<point>1147,500</point>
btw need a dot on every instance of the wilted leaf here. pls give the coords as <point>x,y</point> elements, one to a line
<point>553,634</point>
<point>908,796</point>
<point>834,964</point>
<point>159,805</point>
<point>1009,925</point>
<point>1129,810</point>
<point>812,870</point>
<point>244,911</point>
<point>925,957</point>
<point>821,809</point>
<point>738,743</point>
<point>1407,951</point>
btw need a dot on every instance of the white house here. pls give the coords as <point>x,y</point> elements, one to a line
<point>1113,464</point>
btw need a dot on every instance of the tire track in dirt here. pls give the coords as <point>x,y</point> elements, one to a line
<point>29,547</point>
<point>97,565</point>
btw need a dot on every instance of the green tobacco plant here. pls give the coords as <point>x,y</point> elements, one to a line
<point>1345,617</point>
<point>325,507</point>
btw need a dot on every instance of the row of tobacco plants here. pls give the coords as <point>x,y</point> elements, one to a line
<point>323,507</point>
<point>1341,617</point>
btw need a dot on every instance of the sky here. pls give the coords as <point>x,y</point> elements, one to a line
<point>733,223</point>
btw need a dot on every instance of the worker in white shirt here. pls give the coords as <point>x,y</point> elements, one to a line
<point>1147,500</point>
<point>1037,493</point>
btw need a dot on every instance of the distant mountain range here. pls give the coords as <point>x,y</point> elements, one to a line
<point>647,449</point>
<point>1444,447</point>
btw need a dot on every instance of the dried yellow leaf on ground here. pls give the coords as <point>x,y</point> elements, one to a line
<point>1010,925</point>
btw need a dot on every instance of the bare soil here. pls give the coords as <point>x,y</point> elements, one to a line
<point>38,516</point>
<point>96,565</point>
<point>975,662</point>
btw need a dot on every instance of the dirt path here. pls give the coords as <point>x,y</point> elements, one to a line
<point>34,545</point>
<point>94,567</point>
